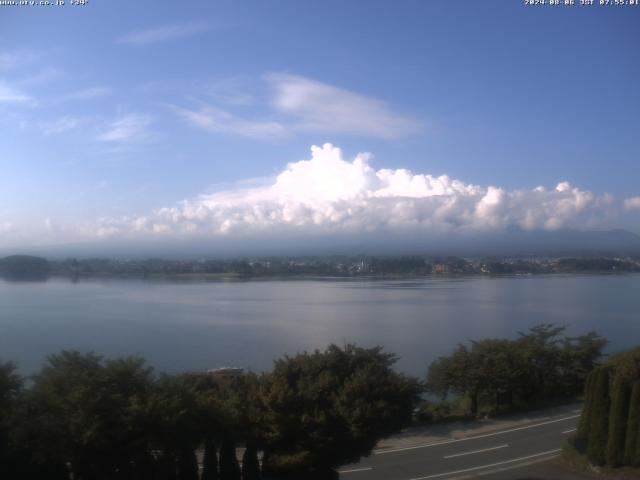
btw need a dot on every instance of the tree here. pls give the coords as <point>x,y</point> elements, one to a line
<point>329,408</point>
<point>456,374</point>
<point>250,464</point>
<point>187,464</point>
<point>597,442</point>
<point>618,417</point>
<point>209,460</point>
<point>497,366</point>
<point>541,354</point>
<point>632,442</point>
<point>229,468</point>
<point>88,412</point>
<point>587,408</point>
<point>580,355</point>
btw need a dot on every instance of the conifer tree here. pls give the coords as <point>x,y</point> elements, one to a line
<point>210,461</point>
<point>250,464</point>
<point>618,417</point>
<point>632,444</point>
<point>599,428</point>
<point>187,465</point>
<point>587,408</point>
<point>229,468</point>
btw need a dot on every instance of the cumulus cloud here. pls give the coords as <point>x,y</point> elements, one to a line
<point>320,107</point>
<point>161,34</point>
<point>632,203</point>
<point>128,128</point>
<point>329,194</point>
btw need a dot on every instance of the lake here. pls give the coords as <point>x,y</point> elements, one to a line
<point>179,326</point>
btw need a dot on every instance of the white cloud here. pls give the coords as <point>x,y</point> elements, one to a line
<point>11,95</point>
<point>129,128</point>
<point>297,104</point>
<point>319,107</point>
<point>329,194</point>
<point>6,228</point>
<point>632,203</point>
<point>16,59</point>
<point>88,93</point>
<point>221,121</point>
<point>43,76</point>
<point>62,124</point>
<point>161,34</point>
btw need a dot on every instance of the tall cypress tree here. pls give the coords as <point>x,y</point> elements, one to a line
<point>618,417</point>
<point>229,468</point>
<point>166,466</point>
<point>587,408</point>
<point>210,461</point>
<point>632,444</point>
<point>598,430</point>
<point>250,464</point>
<point>187,464</point>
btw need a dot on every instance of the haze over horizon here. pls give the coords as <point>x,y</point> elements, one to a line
<point>172,125</point>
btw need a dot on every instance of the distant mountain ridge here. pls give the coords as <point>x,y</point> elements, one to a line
<point>513,242</point>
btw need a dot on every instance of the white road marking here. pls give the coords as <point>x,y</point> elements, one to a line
<point>393,450</point>
<point>353,470</point>
<point>550,452</point>
<point>570,430</point>
<point>476,451</point>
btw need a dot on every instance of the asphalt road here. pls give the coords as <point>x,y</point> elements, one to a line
<point>450,459</point>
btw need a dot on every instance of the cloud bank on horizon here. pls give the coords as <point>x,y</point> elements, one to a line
<point>329,194</point>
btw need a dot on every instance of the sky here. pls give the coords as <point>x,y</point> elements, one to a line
<point>235,119</point>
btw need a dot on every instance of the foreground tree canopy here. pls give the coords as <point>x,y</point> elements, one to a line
<point>95,418</point>
<point>542,364</point>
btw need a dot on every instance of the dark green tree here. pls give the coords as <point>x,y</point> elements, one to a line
<point>587,407</point>
<point>597,442</point>
<point>250,464</point>
<point>88,412</point>
<point>187,464</point>
<point>632,442</point>
<point>325,409</point>
<point>229,468</point>
<point>618,417</point>
<point>456,374</point>
<point>541,354</point>
<point>210,460</point>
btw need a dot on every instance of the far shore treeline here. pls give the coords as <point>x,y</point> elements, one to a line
<point>25,267</point>
<point>88,417</point>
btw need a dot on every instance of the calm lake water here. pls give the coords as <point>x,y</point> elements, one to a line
<point>196,326</point>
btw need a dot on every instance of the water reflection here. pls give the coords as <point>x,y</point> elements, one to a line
<point>195,326</point>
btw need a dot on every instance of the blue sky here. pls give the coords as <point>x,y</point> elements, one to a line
<point>175,118</point>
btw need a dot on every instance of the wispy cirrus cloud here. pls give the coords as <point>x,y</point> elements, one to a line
<point>141,38</point>
<point>9,94</point>
<point>298,104</point>
<point>324,108</point>
<point>60,125</point>
<point>16,59</point>
<point>45,75</point>
<point>129,128</point>
<point>221,121</point>
<point>87,93</point>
